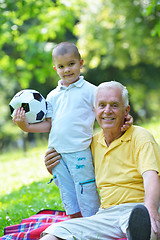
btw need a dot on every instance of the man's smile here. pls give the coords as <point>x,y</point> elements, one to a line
<point>108,118</point>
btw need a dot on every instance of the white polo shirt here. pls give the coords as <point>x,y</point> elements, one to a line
<point>72,113</point>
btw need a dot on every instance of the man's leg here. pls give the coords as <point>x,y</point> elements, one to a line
<point>104,225</point>
<point>50,237</point>
<point>153,236</point>
<point>139,224</point>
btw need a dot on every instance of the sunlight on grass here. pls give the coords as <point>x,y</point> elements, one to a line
<point>24,190</point>
<point>18,169</point>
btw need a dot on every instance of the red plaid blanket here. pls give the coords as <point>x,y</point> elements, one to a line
<point>31,228</point>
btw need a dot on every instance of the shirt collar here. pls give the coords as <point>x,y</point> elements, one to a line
<point>127,135</point>
<point>78,83</point>
<point>124,138</point>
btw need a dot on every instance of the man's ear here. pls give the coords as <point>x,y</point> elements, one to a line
<point>127,110</point>
<point>55,68</point>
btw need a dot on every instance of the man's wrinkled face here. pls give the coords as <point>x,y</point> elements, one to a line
<point>109,108</point>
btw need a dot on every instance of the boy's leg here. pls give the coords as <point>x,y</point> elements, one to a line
<point>64,182</point>
<point>81,168</point>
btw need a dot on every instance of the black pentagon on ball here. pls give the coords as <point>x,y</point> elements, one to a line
<point>40,115</point>
<point>37,96</point>
<point>25,107</point>
<point>11,109</point>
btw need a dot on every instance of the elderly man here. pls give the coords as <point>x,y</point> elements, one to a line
<point>127,167</point>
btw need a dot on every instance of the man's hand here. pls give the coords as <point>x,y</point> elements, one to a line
<point>20,119</point>
<point>51,159</point>
<point>128,123</point>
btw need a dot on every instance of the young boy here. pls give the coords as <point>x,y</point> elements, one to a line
<point>70,118</point>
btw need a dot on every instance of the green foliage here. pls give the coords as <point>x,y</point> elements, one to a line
<point>116,44</point>
<point>29,31</point>
<point>152,14</point>
<point>111,34</point>
<point>117,41</point>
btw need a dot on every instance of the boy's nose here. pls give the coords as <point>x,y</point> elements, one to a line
<point>67,69</point>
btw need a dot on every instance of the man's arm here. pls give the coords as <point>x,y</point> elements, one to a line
<point>51,159</point>
<point>152,198</point>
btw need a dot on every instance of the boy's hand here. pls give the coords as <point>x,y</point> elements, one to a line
<point>127,124</point>
<point>51,159</point>
<point>20,120</point>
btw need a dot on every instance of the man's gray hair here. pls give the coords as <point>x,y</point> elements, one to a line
<point>112,84</point>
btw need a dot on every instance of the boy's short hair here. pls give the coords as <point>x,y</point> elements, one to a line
<point>64,48</point>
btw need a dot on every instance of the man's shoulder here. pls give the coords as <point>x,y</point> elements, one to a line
<point>97,135</point>
<point>141,134</point>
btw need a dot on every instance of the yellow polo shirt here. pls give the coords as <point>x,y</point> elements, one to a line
<point>119,167</point>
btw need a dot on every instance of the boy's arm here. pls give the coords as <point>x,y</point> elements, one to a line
<point>20,120</point>
<point>128,123</point>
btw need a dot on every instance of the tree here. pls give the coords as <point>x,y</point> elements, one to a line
<point>118,41</point>
<point>111,34</point>
<point>152,14</point>
<point>115,41</point>
<point>29,31</point>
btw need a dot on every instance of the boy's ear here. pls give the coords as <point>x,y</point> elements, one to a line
<point>54,68</point>
<point>81,63</point>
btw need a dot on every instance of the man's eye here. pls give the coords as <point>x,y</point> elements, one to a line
<point>101,105</point>
<point>115,105</point>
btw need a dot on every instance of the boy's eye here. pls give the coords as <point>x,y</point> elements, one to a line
<point>71,64</point>
<point>60,67</point>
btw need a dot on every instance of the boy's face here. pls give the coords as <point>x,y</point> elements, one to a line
<point>68,68</point>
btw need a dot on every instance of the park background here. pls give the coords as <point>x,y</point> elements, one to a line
<point>118,40</point>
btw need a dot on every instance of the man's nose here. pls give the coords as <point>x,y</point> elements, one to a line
<point>107,108</point>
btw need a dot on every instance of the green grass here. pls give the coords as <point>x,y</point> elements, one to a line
<point>24,190</point>
<point>23,183</point>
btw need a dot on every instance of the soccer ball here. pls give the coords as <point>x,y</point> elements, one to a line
<point>32,102</point>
